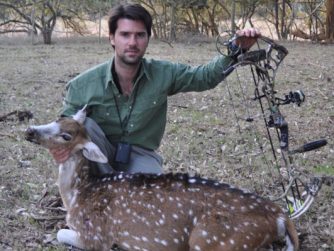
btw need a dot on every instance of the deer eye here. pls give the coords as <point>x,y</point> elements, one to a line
<point>66,136</point>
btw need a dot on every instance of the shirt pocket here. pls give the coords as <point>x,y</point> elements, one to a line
<point>148,110</point>
<point>107,118</point>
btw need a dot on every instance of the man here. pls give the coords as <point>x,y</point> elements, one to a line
<point>127,96</point>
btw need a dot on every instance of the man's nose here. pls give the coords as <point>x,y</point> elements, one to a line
<point>133,40</point>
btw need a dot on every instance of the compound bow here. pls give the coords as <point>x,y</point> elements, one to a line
<point>264,64</point>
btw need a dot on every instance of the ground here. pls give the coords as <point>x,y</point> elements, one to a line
<point>202,135</point>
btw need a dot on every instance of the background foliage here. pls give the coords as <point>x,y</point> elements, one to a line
<point>309,19</point>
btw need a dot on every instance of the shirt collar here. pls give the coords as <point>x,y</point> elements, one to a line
<point>108,73</point>
<point>144,71</point>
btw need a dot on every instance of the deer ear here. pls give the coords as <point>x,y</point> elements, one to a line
<point>80,116</point>
<point>93,153</point>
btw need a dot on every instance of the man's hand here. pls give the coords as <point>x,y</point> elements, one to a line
<point>60,155</point>
<point>246,38</point>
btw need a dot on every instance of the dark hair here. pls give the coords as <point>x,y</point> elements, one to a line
<point>129,11</point>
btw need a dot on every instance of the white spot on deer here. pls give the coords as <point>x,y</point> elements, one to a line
<point>192,181</point>
<point>194,221</point>
<point>136,238</point>
<point>197,248</point>
<point>126,245</point>
<point>144,239</point>
<point>125,233</point>
<point>164,242</point>
<point>157,240</point>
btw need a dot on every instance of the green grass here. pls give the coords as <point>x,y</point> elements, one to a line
<point>327,170</point>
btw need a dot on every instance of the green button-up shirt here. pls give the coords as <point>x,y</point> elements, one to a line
<point>155,82</point>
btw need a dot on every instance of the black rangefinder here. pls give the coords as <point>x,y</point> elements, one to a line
<point>122,154</point>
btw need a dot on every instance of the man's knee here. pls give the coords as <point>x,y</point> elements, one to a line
<point>99,138</point>
<point>145,161</point>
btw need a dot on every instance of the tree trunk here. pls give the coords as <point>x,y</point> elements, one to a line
<point>277,20</point>
<point>330,21</point>
<point>47,34</point>
<point>33,25</point>
<point>283,27</point>
<point>172,35</point>
<point>100,22</point>
<point>233,28</point>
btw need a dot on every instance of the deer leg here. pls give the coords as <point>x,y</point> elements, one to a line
<point>69,237</point>
<point>229,233</point>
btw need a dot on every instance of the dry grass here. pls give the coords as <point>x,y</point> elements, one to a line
<point>201,137</point>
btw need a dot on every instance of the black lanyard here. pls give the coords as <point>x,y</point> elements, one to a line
<point>126,120</point>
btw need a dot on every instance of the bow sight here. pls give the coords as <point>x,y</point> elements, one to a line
<point>263,64</point>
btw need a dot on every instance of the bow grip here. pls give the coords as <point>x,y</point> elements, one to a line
<point>253,56</point>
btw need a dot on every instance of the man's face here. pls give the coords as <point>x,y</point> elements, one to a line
<point>130,41</point>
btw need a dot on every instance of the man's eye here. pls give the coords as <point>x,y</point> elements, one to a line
<point>125,34</point>
<point>141,35</point>
<point>66,136</point>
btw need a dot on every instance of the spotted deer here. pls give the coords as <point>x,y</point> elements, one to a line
<point>150,212</point>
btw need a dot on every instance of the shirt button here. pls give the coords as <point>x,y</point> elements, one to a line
<point>154,102</point>
<point>131,125</point>
<point>107,113</point>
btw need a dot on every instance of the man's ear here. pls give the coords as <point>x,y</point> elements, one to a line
<point>112,39</point>
<point>93,153</point>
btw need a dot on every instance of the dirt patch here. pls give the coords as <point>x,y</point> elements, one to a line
<point>202,135</point>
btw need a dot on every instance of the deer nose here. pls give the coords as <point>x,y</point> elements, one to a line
<point>30,134</point>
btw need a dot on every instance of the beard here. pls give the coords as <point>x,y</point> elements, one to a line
<point>131,60</point>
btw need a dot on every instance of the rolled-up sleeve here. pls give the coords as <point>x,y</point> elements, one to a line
<point>200,78</point>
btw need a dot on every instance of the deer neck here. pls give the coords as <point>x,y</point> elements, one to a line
<point>72,173</point>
